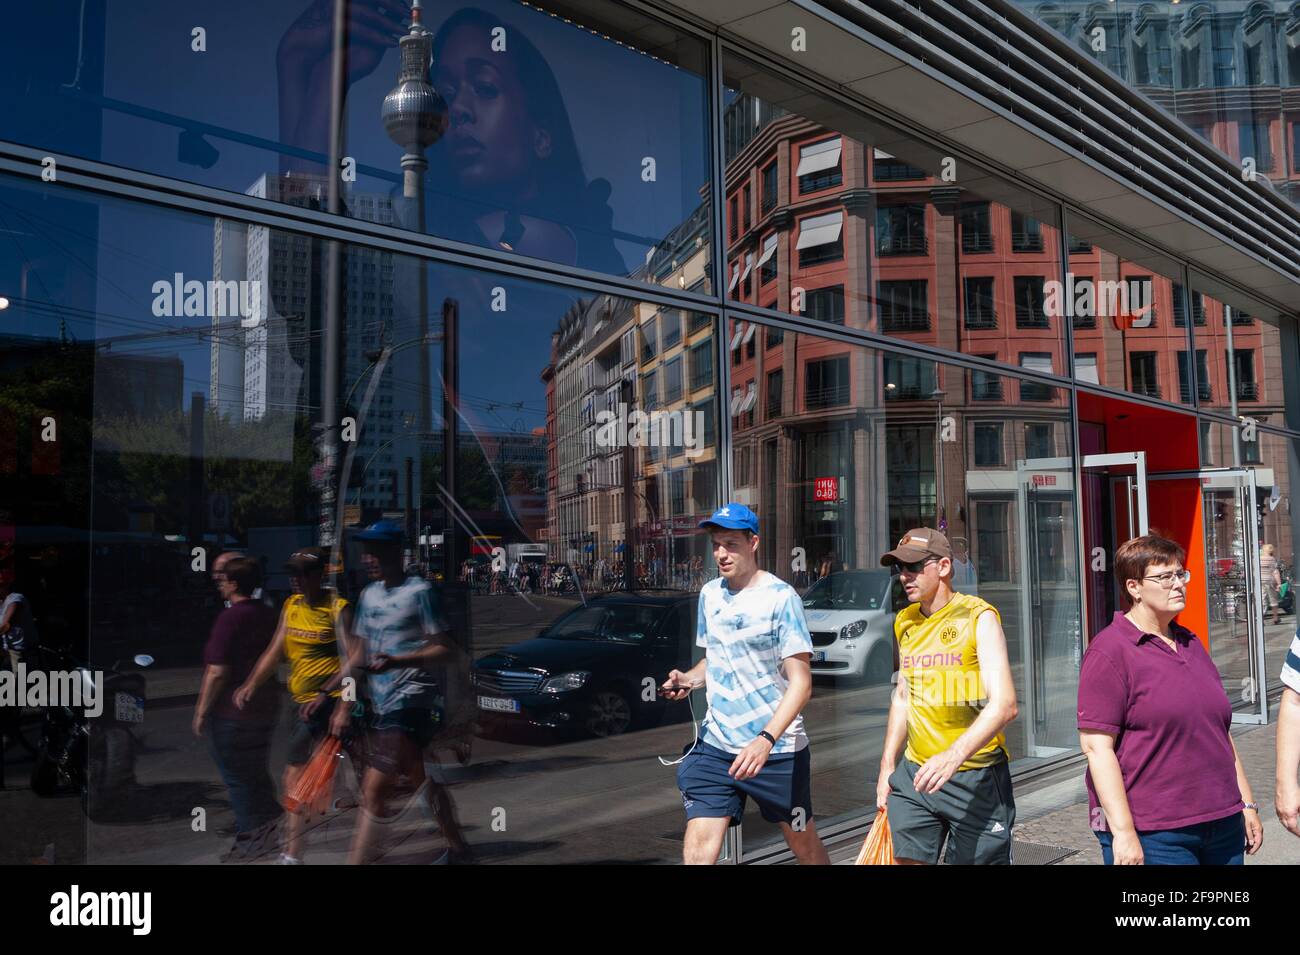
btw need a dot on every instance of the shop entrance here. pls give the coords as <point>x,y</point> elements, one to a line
<point>1140,473</point>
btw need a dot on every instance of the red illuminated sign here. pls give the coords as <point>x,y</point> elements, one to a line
<point>826,489</point>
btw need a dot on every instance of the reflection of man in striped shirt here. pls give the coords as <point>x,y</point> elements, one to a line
<point>1287,798</point>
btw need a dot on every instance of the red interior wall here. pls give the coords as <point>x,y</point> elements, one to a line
<point>1174,507</point>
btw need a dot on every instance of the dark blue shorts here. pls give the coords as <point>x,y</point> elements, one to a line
<point>782,789</point>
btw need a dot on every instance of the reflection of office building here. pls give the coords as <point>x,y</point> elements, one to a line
<point>1221,68</point>
<point>267,362</point>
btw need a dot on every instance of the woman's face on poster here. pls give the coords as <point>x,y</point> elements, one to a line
<point>492,143</point>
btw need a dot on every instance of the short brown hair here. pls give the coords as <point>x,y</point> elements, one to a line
<point>244,573</point>
<point>1136,555</point>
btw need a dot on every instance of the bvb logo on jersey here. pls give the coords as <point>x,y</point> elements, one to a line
<point>949,636</point>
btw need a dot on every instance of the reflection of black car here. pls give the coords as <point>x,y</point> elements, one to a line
<point>588,670</point>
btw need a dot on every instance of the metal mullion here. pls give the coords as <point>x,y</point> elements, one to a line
<point>722,368</point>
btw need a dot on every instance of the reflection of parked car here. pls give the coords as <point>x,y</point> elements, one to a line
<point>588,669</point>
<point>851,619</point>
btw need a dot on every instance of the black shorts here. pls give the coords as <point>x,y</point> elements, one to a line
<point>305,734</point>
<point>394,737</point>
<point>974,810</point>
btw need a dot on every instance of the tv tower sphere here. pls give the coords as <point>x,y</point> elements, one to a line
<point>414,115</point>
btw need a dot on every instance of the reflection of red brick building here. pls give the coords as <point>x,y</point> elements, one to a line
<point>845,234</point>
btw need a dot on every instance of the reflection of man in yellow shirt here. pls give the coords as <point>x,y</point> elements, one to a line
<point>955,696</point>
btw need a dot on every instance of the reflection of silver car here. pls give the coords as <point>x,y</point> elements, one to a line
<point>851,618</point>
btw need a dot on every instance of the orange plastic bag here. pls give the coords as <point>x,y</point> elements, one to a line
<point>316,784</point>
<point>878,848</point>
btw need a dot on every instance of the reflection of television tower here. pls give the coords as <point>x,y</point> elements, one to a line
<point>415,117</point>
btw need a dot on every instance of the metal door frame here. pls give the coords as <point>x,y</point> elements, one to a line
<point>1028,631</point>
<point>1138,483</point>
<point>1242,480</point>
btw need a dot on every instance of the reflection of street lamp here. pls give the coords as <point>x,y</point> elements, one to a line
<point>940,518</point>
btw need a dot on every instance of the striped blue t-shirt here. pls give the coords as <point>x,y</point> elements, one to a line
<point>1291,666</point>
<point>746,635</point>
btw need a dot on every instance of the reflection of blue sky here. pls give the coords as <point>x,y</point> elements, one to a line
<point>623,105</point>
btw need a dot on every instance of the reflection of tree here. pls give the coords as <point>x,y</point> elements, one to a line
<point>145,462</point>
<point>58,384</point>
<point>475,488</point>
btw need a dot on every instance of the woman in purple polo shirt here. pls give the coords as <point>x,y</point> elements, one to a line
<point>1165,785</point>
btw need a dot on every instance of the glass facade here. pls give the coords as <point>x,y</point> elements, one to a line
<point>530,325</point>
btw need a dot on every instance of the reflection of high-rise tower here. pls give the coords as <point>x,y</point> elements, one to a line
<point>271,362</point>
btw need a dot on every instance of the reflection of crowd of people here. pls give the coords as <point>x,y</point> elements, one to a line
<point>375,677</point>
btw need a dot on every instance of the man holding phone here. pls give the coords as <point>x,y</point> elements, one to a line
<point>758,676</point>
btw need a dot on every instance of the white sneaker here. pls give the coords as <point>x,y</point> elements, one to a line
<point>286,859</point>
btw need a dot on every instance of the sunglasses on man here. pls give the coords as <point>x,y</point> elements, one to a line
<point>912,567</point>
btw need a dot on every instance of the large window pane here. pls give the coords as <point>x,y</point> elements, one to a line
<point>1127,308</point>
<point>194,407</point>
<point>521,152</point>
<point>912,245</point>
<point>867,445</point>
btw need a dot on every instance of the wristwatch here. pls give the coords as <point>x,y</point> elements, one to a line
<point>1251,805</point>
<point>767,736</point>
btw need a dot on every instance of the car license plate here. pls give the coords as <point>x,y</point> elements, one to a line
<point>128,708</point>
<point>819,656</point>
<point>498,703</point>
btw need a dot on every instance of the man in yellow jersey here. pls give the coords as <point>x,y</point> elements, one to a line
<point>954,697</point>
<point>312,622</point>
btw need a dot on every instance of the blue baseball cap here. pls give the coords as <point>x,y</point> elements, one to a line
<point>733,516</point>
<point>386,532</point>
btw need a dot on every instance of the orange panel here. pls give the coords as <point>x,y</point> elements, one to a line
<point>1175,511</point>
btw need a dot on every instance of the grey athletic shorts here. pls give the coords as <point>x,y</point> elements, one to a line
<point>974,810</point>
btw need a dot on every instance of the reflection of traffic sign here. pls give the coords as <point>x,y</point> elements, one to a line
<point>218,512</point>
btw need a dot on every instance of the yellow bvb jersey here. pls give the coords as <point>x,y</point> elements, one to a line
<point>311,644</point>
<point>937,656</point>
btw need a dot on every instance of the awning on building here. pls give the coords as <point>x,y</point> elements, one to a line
<point>818,157</point>
<point>820,230</point>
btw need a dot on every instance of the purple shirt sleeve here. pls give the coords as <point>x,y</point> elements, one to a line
<point>1103,694</point>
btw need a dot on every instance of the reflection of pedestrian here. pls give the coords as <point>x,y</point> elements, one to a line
<point>1165,783</point>
<point>402,633</point>
<point>1270,579</point>
<point>963,570</point>
<point>17,627</point>
<point>240,739</point>
<point>312,623</point>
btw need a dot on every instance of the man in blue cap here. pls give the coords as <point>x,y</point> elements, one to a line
<point>402,635</point>
<point>757,671</point>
